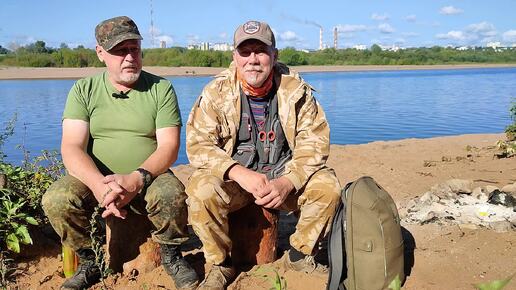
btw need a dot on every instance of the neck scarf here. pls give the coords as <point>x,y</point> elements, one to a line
<point>256,92</point>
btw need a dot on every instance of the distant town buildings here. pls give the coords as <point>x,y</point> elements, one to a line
<point>209,46</point>
<point>360,47</point>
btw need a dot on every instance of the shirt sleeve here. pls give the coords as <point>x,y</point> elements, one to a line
<point>76,106</point>
<point>168,114</point>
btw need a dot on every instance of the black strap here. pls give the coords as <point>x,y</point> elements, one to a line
<point>336,247</point>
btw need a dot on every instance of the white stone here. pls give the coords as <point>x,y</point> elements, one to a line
<point>479,194</point>
<point>500,226</point>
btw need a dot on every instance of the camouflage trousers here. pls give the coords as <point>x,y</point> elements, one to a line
<point>211,199</point>
<point>69,205</point>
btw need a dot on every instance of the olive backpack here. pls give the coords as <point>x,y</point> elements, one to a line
<point>365,245</point>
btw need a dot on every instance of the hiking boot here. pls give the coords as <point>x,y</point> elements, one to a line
<point>177,267</point>
<point>307,264</point>
<point>87,274</point>
<point>218,278</point>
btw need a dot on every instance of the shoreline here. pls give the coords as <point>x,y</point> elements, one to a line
<point>33,73</point>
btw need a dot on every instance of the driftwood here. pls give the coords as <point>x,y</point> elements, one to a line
<point>130,248</point>
<point>254,233</point>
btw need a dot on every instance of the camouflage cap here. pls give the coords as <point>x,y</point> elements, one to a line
<point>112,31</point>
<point>254,30</point>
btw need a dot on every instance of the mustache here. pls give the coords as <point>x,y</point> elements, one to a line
<point>254,69</point>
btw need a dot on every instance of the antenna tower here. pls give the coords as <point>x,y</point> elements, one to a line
<point>152,26</point>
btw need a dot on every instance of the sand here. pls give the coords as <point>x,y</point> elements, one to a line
<point>446,257</point>
<point>7,73</point>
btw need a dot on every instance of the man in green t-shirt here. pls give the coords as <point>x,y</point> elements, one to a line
<point>121,134</point>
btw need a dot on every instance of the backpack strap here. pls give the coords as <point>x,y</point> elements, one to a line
<point>336,250</point>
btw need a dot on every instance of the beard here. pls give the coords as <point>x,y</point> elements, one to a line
<point>254,77</point>
<point>129,78</point>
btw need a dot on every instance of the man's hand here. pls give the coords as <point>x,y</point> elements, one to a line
<point>275,193</point>
<point>130,184</point>
<point>111,209</point>
<point>253,182</point>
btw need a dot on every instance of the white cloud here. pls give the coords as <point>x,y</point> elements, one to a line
<point>473,34</point>
<point>385,28</point>
<point>509,36</point>
<point>453,35</point>
<point>288,36</point>
<point>484,29</point>
<point>380,17</point>
<point>349,28</point>
<point>411,18</point>
<point>450,10</point>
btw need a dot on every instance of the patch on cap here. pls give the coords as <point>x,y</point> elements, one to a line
<point>251,27</point>
<point>254,30</point>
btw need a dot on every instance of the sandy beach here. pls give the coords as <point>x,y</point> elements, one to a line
<point>10,73</point>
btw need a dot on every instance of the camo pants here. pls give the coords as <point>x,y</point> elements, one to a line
<point>69,204</point>
<point>211,199</point>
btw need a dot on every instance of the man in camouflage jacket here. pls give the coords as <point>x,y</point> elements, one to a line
<point>222,183</point>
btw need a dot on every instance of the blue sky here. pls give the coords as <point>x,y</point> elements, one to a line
<point>406,23</point>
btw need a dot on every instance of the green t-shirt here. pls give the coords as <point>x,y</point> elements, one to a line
<point>123,130</point>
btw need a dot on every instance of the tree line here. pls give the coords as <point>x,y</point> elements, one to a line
<point>37,54</point>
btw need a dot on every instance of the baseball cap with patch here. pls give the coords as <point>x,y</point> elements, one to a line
<point>112,31</point>
<point>254,30</point>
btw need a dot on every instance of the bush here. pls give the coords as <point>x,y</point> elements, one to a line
<point>21,191</point>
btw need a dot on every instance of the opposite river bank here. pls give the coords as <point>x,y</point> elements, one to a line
<point>11,73</point>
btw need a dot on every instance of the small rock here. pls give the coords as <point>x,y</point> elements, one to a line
<point>429,163</point>
<point>490,188</point>
<point>428,198</point>
<point>452,187</point>
<point>502,198</point>
<point>500,226</point>
<point>412,206</point>
<point>446,159</point>
<point>510,188</point>
<point>479,194</point>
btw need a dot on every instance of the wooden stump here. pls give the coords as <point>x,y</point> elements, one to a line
<point>254,233</point>
<point>129,246</point>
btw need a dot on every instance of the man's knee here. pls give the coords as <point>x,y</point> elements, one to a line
<point>203,187</point>
<point>166,189</point>
<point>324,187</point>
<point>62,196</point>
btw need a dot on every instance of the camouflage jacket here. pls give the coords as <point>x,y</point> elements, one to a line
<point>212,127</point>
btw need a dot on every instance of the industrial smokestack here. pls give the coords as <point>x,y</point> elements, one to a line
<point>335,37</point>
<point>320,38</point>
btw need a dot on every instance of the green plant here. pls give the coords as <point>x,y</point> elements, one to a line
<point>96,237</point>
<point>13,222</point>
<point>278,282</point>
<point>6,133</point>
<point>395,284</point>
<point>510,131</point>
<point>6,269</point>
<point>494,285</point>
<point>507,149</point>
